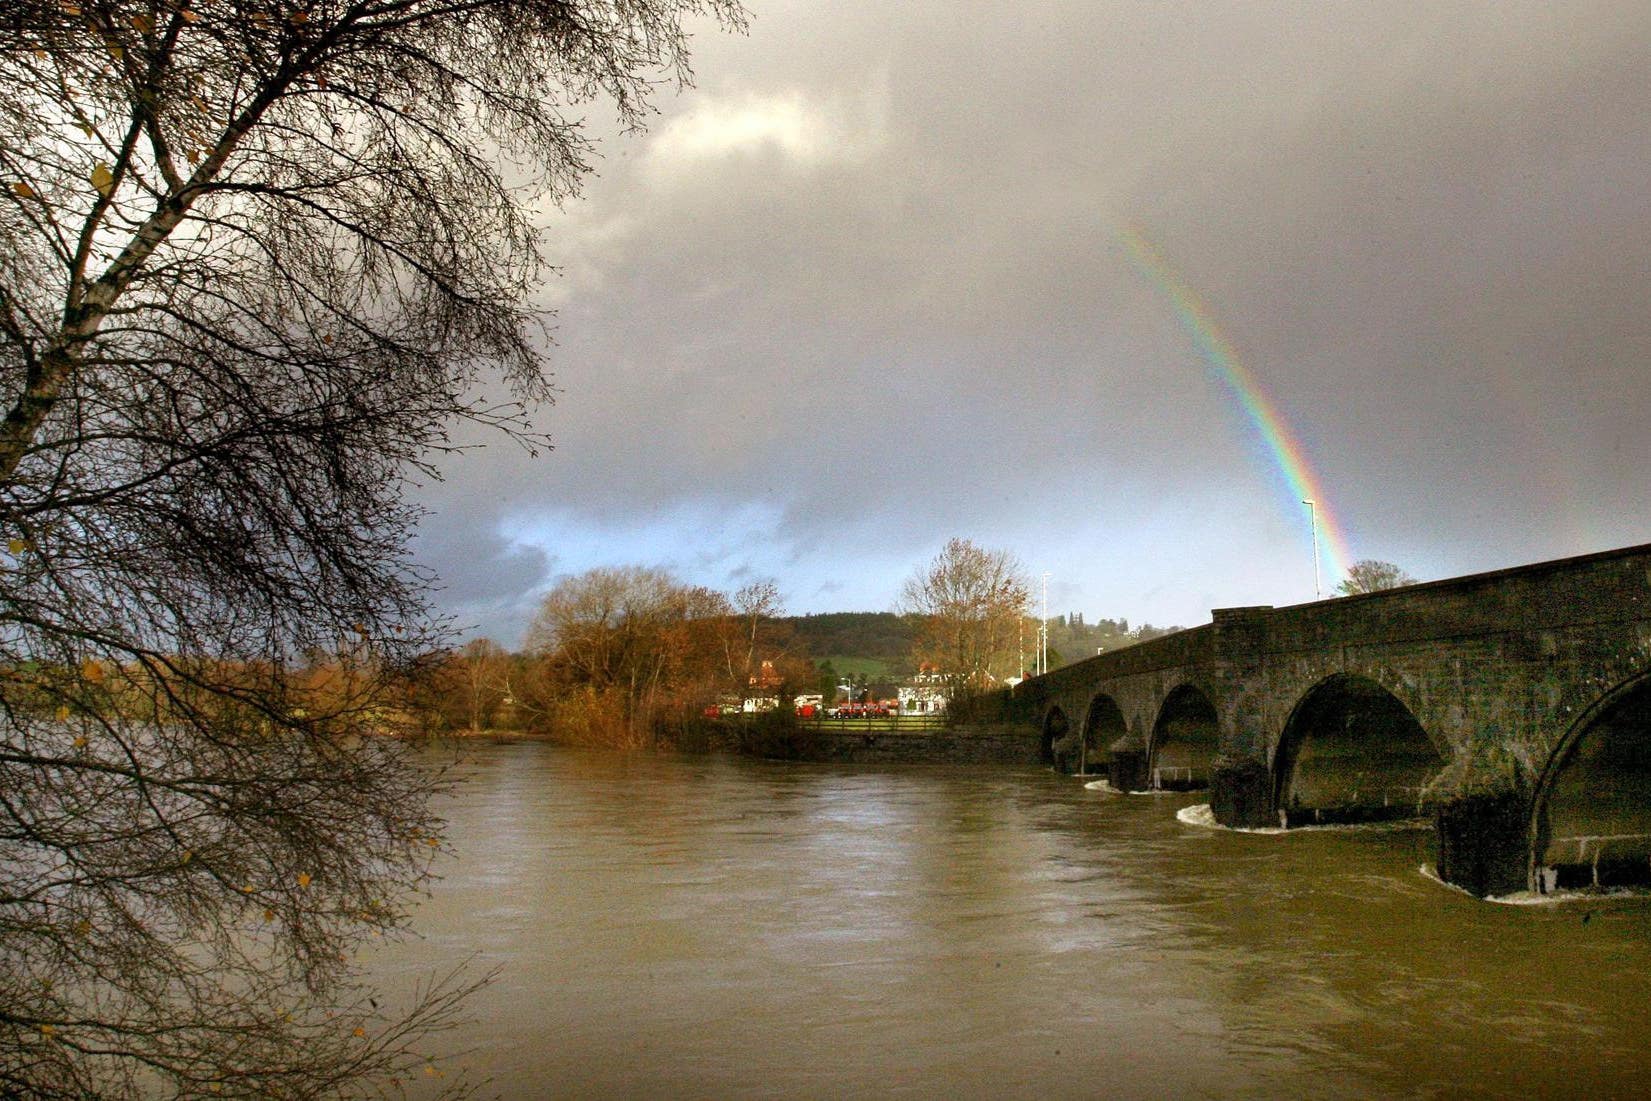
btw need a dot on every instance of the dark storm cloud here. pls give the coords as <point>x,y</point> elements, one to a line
<point>862,290</point>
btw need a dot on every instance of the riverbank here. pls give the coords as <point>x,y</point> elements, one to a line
<point>986,743</point>
<point>775,738</point>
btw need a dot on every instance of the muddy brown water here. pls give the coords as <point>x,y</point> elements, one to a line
<point>712,927</point>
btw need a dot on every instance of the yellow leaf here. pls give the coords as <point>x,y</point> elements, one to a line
<point>269,915</point>
<point>143,23</point>
<point>92,671</point>
<point>187,16</point>
<point>80,742</point>
<point>247,890</point>
<point>63,713</point>
<point>83,927</point>
<point>71,9</point>
<point>103,179</point>
<point>18,546</point>
<point>298,18</point>
<point>303,879</point>
<point>359,1032</point>
<point>47,1030</point>
<point>188,856</point>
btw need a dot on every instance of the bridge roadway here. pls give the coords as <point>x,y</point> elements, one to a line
<point>1511,708</point>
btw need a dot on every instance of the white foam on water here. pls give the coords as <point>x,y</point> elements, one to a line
<point>1536,898</point>
<point>1202,814</point>
<point>1428,872</point>
<point>1102,785</point>
<point>1518,898</point>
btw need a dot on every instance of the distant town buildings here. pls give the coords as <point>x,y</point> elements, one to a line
<point>922,694</point>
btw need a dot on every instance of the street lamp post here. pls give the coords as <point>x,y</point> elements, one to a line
<point>1043,629</point>
<point>1313,522</point>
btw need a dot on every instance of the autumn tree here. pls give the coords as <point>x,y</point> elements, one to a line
<point>971,601</point>
<point>621,645</point>
<point>256,258</point>
<point>1369,576</point>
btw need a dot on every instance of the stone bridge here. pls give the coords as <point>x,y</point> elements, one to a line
<point>1512,708</point>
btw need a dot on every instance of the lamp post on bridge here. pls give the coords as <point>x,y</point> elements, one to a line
<point>1313,522</point>
<point>1043,629</point>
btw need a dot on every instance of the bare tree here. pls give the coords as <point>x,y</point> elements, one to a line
<point>1369,576</point>
<point>972,601</point>
<point>754,604</point>
<point>254,257</point>
<point>485,668</point>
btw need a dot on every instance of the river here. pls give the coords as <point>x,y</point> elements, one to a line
<point>715,927</point>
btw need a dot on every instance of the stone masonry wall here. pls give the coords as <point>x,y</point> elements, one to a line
<point>1498,668</point>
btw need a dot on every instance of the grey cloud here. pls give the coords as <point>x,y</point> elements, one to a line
<point>1423,226</point>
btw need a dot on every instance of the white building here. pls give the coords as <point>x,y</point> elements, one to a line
<point>924,694</point>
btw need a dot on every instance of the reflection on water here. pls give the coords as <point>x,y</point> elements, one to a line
<point>715,927</point>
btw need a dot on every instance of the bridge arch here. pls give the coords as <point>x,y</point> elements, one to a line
<point>1185,739</point>
<point>1591,811</point>
<point>1103,725</point>
<point>1351,751</point>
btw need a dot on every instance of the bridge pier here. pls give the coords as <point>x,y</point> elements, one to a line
<point>1484,843</point>
<point>1241,793</point>
<point>1126,765</point>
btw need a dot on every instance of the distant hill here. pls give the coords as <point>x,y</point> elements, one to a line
<point>874,643</point>
<point>879,644</point>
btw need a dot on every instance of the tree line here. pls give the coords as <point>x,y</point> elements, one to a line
<point>626,657</point>
<point>632,656</point>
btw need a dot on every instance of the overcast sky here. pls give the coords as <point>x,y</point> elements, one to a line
<point>862,290</point>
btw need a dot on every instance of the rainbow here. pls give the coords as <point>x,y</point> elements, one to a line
<point>1269,423</point>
